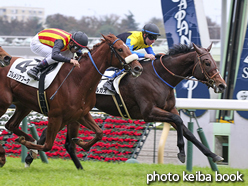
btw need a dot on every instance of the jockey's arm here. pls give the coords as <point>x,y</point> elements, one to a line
<point>128,43</point>
<point>56,52</point>
<point>150,53</point>
<point>149,50</point>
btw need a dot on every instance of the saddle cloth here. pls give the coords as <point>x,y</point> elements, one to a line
<point>18,72</point>
<point>117,98</point>
<point>102,90</point>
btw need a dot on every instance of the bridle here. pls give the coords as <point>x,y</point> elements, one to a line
<point>121,60</point>
<point>113,51</point>
<point>210,80</point>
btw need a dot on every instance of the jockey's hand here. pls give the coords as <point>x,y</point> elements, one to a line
<point>75,63</point>
<point>150,56</point>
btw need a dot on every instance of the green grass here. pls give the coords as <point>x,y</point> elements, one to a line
<point>63,173</point>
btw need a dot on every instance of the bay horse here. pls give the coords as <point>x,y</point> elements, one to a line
<point>74,99</point>
<point>151,96</point>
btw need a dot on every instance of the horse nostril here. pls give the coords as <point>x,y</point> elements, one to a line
<point>138,69</point>
<point>222,87</point>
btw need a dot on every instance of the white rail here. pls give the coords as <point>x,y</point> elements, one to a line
<point>212,104</point>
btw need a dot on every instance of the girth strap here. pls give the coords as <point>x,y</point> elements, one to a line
<point>41,94</point>
<point>121,107</point>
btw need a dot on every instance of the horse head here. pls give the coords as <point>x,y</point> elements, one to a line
<point>121,56</point>
<point>205,69</point>
<point>4,58</point>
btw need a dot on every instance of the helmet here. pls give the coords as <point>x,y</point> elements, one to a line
<point>151,28</point>
<point>80,39</point>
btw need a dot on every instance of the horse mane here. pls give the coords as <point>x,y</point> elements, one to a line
<point>180,49</point>
<point>176,49</point>
<point>110,38</point>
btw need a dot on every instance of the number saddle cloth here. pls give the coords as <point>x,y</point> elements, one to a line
<point>18,72</point>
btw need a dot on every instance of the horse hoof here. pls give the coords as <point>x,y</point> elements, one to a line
<point>181,157</point>
<point>27,165</point>
<point>218,159</point>
<point>33,153</point>
<point>1,165</point>
<point>20,140</point>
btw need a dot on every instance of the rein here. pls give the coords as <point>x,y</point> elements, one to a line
<point>209,81</point>
<point>116,55</point>
<point>160,77</point>
<point>96,66</point>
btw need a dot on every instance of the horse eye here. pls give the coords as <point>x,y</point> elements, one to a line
<point>120,50</point>
<point>207,64</point>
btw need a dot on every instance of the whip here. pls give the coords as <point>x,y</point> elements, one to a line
<point>51,98</point>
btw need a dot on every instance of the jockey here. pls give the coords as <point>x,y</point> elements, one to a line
<point>56,45</point>
<point>136,40</point>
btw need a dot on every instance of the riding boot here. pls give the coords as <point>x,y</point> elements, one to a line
<point>33,72</point>
<point>110,85</point>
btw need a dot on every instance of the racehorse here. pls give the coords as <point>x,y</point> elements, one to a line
<point>151,95</point>
<point>74,99</point>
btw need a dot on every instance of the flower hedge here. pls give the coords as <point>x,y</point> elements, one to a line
<point>120,139</point>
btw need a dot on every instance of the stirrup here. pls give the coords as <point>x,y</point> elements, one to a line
<point>109,86</point>
<point>32,74</point>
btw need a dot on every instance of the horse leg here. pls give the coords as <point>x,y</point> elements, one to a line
<point>70,146</point>
<point>2,156</point>
<point>180,143</point>
<point>158,114</point>
<point>29,158</point>
<point>54,126</point>
<point>89,122</point>
<point>190,136</point>
<point>5,101</point>
<point>72,131</point>
<point>13,124</point>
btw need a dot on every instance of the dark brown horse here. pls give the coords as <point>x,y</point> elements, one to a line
<point>74,99</point>
<point>151,96</point>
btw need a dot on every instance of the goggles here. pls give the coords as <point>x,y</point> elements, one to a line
<point>152,37</point>
<point>76,47</point>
